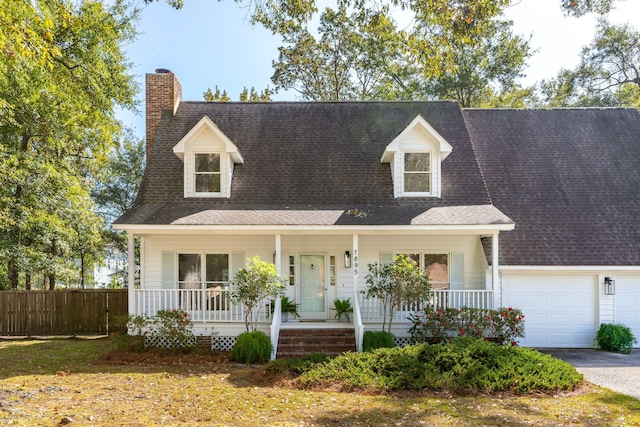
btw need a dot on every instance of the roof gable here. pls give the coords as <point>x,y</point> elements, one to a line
<point>202,127</point>
<point>431,139</point>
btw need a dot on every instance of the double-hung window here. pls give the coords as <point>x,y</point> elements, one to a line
<point>207,173</point>
<point>206,271</point>
<point>417,172</point>
<point>437,265</point>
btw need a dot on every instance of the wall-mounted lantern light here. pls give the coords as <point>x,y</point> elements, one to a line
<point>347,259</point>
<point>609,286</point>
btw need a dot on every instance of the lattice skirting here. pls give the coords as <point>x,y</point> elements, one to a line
<point>402,341</point>
<point>162,341</point>
<point>222,343</point>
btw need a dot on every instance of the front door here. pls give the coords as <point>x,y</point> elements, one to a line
<point>312,288</point>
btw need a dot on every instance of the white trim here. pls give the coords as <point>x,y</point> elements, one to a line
<point>206,122</point>
<point>393,147</point>
<point>569,268</point>
<point>314,229</point>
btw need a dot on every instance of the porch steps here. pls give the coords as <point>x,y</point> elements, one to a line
<point>301,341</point>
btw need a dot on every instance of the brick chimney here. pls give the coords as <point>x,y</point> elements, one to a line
<point>164,93</point>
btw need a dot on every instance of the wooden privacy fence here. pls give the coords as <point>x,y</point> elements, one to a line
<point>66,312</point>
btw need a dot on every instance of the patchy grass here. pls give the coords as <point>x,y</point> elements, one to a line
<point>43,381</point>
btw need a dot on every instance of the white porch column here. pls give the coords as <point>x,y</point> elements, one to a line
<point>278,254</point>
<point>495,280</point>
<point>131,253</point>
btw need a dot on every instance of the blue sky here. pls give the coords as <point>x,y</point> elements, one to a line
<point>211,42</point>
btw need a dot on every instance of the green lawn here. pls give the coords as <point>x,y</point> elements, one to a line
<point>43,381</point>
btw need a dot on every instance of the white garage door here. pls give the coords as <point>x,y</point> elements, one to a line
<point>560,310</point>
<point>627,302</point>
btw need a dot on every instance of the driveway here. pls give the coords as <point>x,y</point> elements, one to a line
<point>618,372</point>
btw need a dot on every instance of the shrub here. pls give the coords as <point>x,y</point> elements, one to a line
<point>254,283</point>
<point>377,339</point>
<point>615,337</point>
<point>168,329</point>
<point>464,365</point>
<point>440,326</point>
<point>251,347</point>
<point>398,284</point>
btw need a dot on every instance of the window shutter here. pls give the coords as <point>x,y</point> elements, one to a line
<point>238,263</point>
<point>457,271</point>
<point>386,257</point>
<point>168,271</point>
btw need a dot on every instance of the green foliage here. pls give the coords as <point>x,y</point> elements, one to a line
<point>342,307</point>
<point>583,7</point>
<point>62,74</point>
<point>169,329</point>
<point>615,337</point>
<point>296,365</point>
<point>464,365</point>
<point>397,284</point>
<point>377,339</point>
<point>502,326</point>
<point>252,347</point>
<point>287,306</point>
<point>253,284</point>
<point>607,73</point>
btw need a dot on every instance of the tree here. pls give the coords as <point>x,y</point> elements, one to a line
<point>62,73</point>
<point>398,284</point>
<point>116,188</point>
<point>582,7</point>
<point>254,96</point>
<point>483,72</point>
<point>608,73</point>
<point>253,285</point>
<point>245,96</point>
<point>217,96</point>
<point>353,59</point>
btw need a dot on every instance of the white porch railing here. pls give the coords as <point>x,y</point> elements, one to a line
<point>372,309</point>
<point>203,305</point>
<point>215,305</point>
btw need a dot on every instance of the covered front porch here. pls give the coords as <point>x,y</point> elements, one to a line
<point>319,268</point>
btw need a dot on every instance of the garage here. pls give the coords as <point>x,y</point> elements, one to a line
<point>626,302</point>
<point>560,309</point>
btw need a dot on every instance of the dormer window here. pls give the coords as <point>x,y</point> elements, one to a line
<point>415,157</point>
<point>209,157</point>
<point>207,172</point>
<point>417,173</point>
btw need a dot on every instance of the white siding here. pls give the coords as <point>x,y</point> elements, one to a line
<point>156,245</point>
<point>626,302</point>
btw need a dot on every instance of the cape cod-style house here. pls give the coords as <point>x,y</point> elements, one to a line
<point>535,209</point>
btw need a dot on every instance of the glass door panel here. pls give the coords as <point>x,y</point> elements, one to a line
<point>312,287</point>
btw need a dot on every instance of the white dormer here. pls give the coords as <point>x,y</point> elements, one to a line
<point>208,157</point>
<point>415,157</point>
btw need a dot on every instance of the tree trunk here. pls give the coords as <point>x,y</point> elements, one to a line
<point>82,271</point>
<point>27,281</point>
<point>52,275</point>
<point>13,274</point>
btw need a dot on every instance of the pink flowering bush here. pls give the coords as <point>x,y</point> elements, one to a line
<point>167,329</point>
<point>503,325</point>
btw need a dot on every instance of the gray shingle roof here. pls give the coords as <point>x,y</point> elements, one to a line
<point>570,180</point>
<point>306,158</point>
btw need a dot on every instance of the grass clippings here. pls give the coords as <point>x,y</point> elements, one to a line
<point>49,382</point>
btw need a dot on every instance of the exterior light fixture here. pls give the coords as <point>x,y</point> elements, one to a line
<point>609,286</point>
<point>347,259</point>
